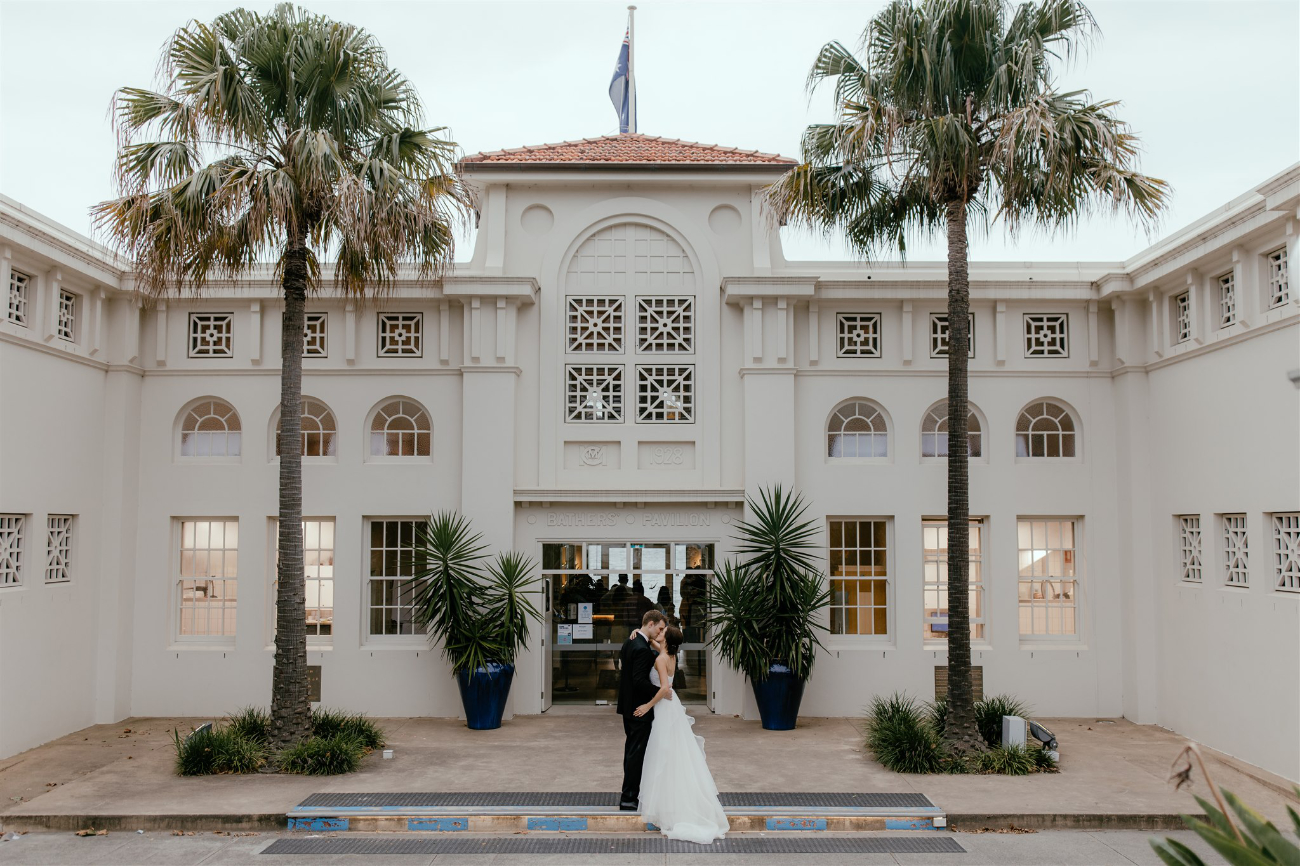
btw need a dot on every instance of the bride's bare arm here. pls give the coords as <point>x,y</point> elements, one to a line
<point>665,687</point>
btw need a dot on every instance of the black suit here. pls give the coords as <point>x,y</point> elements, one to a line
<point>637,659</point>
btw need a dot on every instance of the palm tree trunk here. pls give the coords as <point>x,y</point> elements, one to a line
<point>960,731</point>
<point>290,707</point>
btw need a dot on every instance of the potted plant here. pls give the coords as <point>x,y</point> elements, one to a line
<point>763,610</point>
<point>479,610</point>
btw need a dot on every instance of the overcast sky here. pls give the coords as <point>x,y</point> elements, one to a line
<point>1212,88</point>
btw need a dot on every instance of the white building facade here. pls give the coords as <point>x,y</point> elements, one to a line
<point>627,356</point>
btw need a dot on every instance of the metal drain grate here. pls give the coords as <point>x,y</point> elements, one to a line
<point>372,846</point>
<point>605,800</point>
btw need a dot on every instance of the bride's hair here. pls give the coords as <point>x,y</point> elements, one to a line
<point>673,639</point>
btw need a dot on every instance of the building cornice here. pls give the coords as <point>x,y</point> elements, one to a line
<point>528,496</point>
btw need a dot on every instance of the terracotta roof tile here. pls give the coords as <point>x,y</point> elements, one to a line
<point>629,149</point>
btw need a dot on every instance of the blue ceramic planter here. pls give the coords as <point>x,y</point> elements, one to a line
<point>483,691</point>
<point>778,698</point>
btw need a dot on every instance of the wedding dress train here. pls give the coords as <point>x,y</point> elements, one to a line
<point>678,794</point>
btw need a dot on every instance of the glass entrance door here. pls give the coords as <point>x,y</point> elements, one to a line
<point>600,591</point>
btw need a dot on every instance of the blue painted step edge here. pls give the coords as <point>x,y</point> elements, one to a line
<point>901,824</point>
<point>318,824</point>
<point>439,825</point>
<point>796,823</point>
<point>563,824</point>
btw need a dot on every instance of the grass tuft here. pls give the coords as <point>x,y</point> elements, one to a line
<point>989,713</point>
<point>252,723</point>
<point>323,756</point>
<point>217,751</point>
<point>1005,761</point>
<point>327,723</point>
<point>901,737</point>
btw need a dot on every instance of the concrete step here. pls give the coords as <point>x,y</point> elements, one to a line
<point>597,812</point>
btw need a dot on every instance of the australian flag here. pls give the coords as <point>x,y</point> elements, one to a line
<point>620,87</point>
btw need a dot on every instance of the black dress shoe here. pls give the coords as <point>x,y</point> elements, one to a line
<point>627,807</point>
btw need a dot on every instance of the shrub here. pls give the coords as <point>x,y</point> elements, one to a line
<point>327,723</point>
<point>989,713</point>
<point>252,723</point>
<point>194,754</point>
<point>323,756</point>
<point>217,750</point>
<point>901,737</point>
<point>1043,761</point>
<point>1004,760</point>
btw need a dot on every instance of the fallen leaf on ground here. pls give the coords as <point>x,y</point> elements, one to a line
<point>1012,830</point>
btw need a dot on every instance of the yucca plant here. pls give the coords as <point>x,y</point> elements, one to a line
<point>764,609</point>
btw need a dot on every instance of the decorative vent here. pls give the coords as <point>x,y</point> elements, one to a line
<point>1047,335</point>
<point>1183,317</point>
<point>1279,283</point>
<point>314,334</point>
<point>1227,300</point>
<point>1189,547</point>
<point>939,335</point>
<point>665,394</point>
<point>212,335</point>
<point>857,335</point>
<point>1286,550</point>
<point>11,549</point>
<point>595,325</point>
<point>401,335</point>
<point>67,324</point>
<point>18,296</point>
<point>665,325</point>
<point>58,548</point>
<point>1235,555</point>
<point>594,393</point>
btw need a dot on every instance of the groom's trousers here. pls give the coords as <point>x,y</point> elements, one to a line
<point>638,737</point>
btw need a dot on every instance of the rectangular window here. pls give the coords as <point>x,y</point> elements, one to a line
<point>212,335</point>
<point>857,335</point>
<point>67,324</point>
<point>19,284</point>
<point>1227,300</point>
<point>595,325</point>
<point>1236,571</point>
<point>58,548</point>
<point>314,332</point>
<point>1286,551</point>
<point>859,576</point>
<point>665,394</point>
<point>934,571</point>
<point>1048,579</point>
<point>1047,335</point>
<point>391,545</point>
<point>593,393</point>
<point>318,570</point>
<point>401,335</point>
<point>1183,317</point>
<point>939,335</point>
<point>209,566</point>
<point>11,549</point>
<point>665,325</point>
<point>1279,282</point>
<point>1189,547</point>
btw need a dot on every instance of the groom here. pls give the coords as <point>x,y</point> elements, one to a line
<point>636,660</point>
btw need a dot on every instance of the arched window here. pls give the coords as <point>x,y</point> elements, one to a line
<point>319,430</point>
<point>210,429</point>
<point>857,429</point>
<point>934,432</point>
<point>1045,429</point>
<point>400,428</point>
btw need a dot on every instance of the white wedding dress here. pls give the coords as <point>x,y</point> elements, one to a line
<point>678,794</point>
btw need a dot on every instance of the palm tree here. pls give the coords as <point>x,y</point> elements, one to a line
<point>280,137</point>
<point>952,111</point>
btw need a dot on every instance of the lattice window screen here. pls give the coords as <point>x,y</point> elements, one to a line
<point>1183,317</point>
<point>401,335</point>
<point>67,324</point>
<point>939,335</point>
<point>211,335</point>
<point>1235,553</point>
<point>595,324</point>
<point>857,335</point>
<point>1189,547</point>
<point>1286,550</point>
<point>58,548</point>
<point>1279,282</point>
<point>18,296</point>
<point>314,333</point>
<point>665,324</point>
<point>1227,300</point>
<point>1047,335</point>
<point>665,393</point>
<point>594,393</point>
<point>11,549</point>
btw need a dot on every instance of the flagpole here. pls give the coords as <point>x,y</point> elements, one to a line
<point>631,68</point>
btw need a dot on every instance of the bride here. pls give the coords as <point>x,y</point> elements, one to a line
<point>678,794</point>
